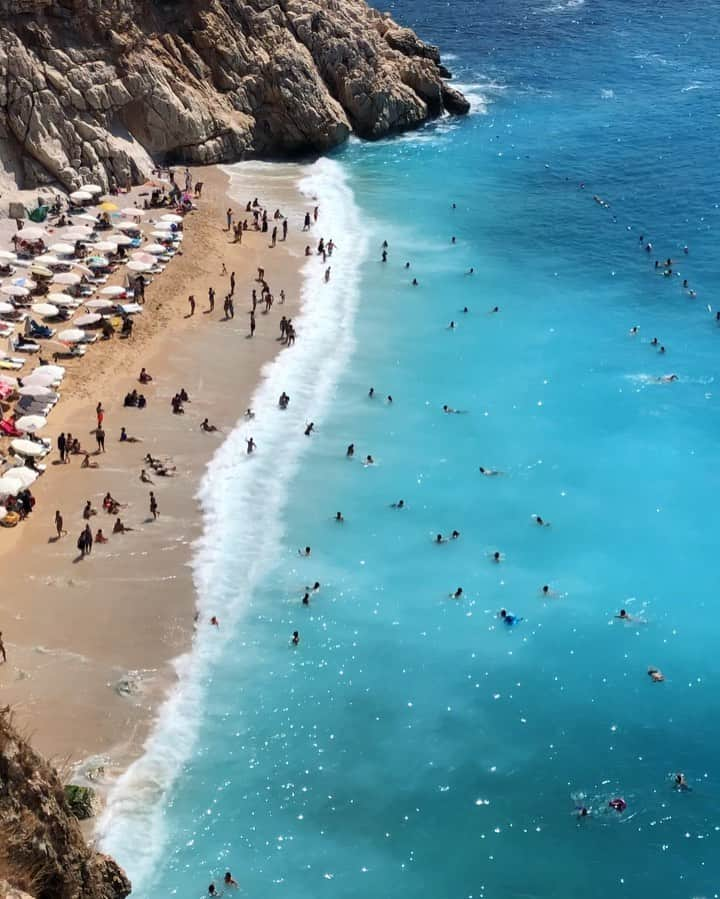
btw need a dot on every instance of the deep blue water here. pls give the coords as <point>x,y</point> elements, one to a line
<point>414,745</point>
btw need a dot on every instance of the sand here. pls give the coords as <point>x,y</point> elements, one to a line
<point>90,643</point>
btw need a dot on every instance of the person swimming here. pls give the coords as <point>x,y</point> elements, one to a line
<point>350,452</point>
<point>622,615</point>
<point>400,504</point>
<point>680,783</point>
<point>440,539</point>
<point>305,553</point>
<point>546,591</point>
<point>306,599</point>
<point>656,675</point>
<point>369,461</point>
<point>507,618</point>
<point>295,638</point>
<point>457,594</point>
<point>538,519</point>
<point>497,557</point>
<point>618,804</point>
<point>489,472</point>
<point>339,516</point>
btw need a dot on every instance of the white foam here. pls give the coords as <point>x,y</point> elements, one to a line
<point>243,498</point>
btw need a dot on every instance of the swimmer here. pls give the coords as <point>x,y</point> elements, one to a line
<point>457,594</point>
<point>496,556</point>
<point>350,451</point>
<point>538,519</point>
<point>583,811</point>
<point>470,271</point>
<point>306,599</point>
<point>451,326</point>
<point>371,392</point>
<point>369,461</point>
<point>489,472</point>
<point>250,446</point>
<point>339,517</point>
<point>465,309</point>
<point>656,675</point>
<point>389,399</point>
<point>315,587</point>
<point>455,535</point>
<point>309,429</point>
<point>680,783</point>
<point>654,341</point>
<point>622,615</point>
<point>634,330</point>
<point>661,350</point>
<point>666,379</point>
<point>507,618</point>
<point>295,638</point>
<point>618,804</point>
<point>452,240</point>
<point>214,621</point>
<point>407,265</point>
<point>440,539</point>
<point>415,282</point>
<point>305,553</point>
<point>249,413</point>
<point>547,592</point>
<point>494,309</point>
<point>400,504</point>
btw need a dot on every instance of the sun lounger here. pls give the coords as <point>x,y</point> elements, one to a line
<point>27,347</point>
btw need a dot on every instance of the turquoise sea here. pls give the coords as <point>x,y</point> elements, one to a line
<point>414,745</point>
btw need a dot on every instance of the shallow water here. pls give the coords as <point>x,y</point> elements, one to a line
<point>413,744</point>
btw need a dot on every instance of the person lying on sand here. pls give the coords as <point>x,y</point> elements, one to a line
<point>88,463</point>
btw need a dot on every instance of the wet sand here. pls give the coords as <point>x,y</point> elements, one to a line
<point>90,642</point>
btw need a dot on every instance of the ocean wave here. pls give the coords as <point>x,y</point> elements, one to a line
<point>243,500</point>
<point>563,6</point>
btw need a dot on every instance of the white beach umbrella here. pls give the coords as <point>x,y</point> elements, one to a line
<point>91,189</point>
<point>171,217</point>
<point>136,266</point>
<point>14,290</point>
<point>131,308</point>
<point>39,390</point>
<point>71,335</point>
<point>67,278</point>
<point>30,233</point>
<point>129,226</point>
<point>62,249</point>
<point>78,232</point>
<point>142,256</point>
<point>81,267</point>
<point>57,371</point>
<point>122,240</point>
<point>97,304</point>
<point>45,310</point>
<point>3,513</point>
<point>6,308</point>
<point>9,381</point>
<point>97,262</point>
<point>86,321</point>
<point>80,196</point>
<point>26,448</point>
<point>155,248</point>
<point>10,486</point>
<point>39,271</point>
<point>24,281</point>
<point>162,225</point>
<point>48,259</point>
<point>36,380</point>
<point>62,299</point>
<point>85,217</point>
<point>31,423</point>
<point>132,211</point>
<point>7,256</point>
<point>112,290</point>
<point>105,246</point>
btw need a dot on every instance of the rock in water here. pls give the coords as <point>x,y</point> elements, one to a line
<point>94,89</point>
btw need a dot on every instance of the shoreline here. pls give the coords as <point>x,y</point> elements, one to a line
<point>91,655</point>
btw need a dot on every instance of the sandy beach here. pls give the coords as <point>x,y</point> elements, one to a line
<point>90,642</point>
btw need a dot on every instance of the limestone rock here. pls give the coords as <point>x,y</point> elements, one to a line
<point>81,800</point>
<point>94,88</point>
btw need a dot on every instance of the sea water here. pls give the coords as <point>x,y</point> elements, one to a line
<point>412,744</point>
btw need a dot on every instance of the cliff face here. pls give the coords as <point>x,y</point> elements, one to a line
<point>42,850</point>
<point>89,87</point>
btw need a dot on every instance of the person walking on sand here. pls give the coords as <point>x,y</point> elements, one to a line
<point>285,229</point>
<point>59,524</point>
<point>273,243</point>
<point>250,446</point>
<point>153,506</point>
<point>62,447</point>
<point>232,283</point>
<point>100,437</point>
<point>191,301</point>
<point>252,324</point>
<point>211,299</point>
<point>100,413</point>
<point>3,653</point>
<point>229,218</point>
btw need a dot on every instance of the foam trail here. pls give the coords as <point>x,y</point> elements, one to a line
<point>243,498</point>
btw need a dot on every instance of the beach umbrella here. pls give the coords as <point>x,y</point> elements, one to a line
<point>40,271</point>
<point>7,256</point>
<point>62,299</point>
<point>45,310</point>
<point>171,217</point>
<point>3,513</point>
<point>9,381</point>
<point>129,226</point>
<point>131,308</point>
<point>163,235</point>
<point>78,232</point>
<point>56,371</point>
<point>108,206</point>
<point>6,308</point>
<point>155,248</point>
<point>142,256</point>
<point>105,246</point>
<point>36,379</point>
<point>71,335</point>
<point>67,278</point>
<point>86,217</point>
<point>31,423</point>
<point>162,226</point>
<point>31,233</point>
<point>24,282</point>
<point>136,266</point>
<point>99,304</point>
<point>122,240</point>
<point>23,447</point>
<point>10,486</point>
<point>62,249</point>
<point>80,196</point>
<point>86,321</point>
<point>83,269</point>
<point>48,259</point>
<point>91,189</point>
<point>14,290</point>
<point>132,211</point>
<point>40,390</point>
<point>112,290</point>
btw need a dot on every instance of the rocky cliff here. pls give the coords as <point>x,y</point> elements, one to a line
<point>91,88</point>
<point>42,850</point>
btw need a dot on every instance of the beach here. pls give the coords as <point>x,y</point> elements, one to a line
<point>91,642</point>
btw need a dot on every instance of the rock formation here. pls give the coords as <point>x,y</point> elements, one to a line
<point>42,850</point>
<point>96,88</point>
